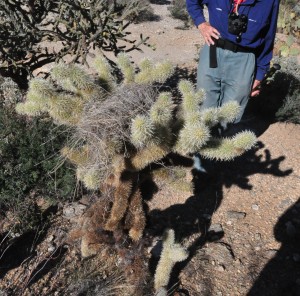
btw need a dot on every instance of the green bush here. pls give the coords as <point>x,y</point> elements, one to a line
<point>29,157</point>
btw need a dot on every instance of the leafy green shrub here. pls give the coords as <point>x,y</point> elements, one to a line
<point>29,157</point>
<point>29,31</point>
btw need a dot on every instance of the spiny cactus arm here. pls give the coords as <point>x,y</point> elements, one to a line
<point>229,148</point>
<point>142,131</point>
<point>191,99</point>
<point>228,112</point>
<point>148,155</point>
<point>104,71</point>
<point>191,138</point>
<point>161,112</point>
<point>138,222</point>
<point>90,177</point>
<point>158,73</point>
<point>66,108</point>
<point>38,96</point>
<point>72,78</point>
<point>171,253</point>
<point>30,108</point>
<point>126,67</point>
<point>162,72</point>
<point>146,68</point>
<point>121,199</point>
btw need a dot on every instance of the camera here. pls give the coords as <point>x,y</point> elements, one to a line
<point>237,24</point>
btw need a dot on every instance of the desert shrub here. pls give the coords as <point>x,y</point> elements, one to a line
<point>289,17</point>
<point>289,24</point>
<point>30,29</point>
<point>290,111</point>
<point>279,100</point>
<point>29,158</point>
<point>135,10</point>
<point>178,11</point>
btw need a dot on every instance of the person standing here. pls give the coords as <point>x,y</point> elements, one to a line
<point>239,41</point>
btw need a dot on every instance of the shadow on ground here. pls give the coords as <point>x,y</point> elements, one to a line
<point>194,216</point>
<point>281,275</point>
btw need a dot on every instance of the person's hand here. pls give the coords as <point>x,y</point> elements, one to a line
<point>208,32</point>
<point>255,93</point>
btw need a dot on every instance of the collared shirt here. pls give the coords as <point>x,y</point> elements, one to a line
<point>261,30</point>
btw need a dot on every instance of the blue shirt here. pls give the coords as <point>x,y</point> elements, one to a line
<point>261,30</point>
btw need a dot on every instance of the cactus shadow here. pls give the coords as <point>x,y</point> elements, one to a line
<point>191,221</point>
<point>280,276</point>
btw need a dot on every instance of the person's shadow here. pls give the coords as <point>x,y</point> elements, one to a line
<point>281,275</point>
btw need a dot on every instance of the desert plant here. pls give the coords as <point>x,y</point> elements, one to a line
<point>29,153</point>
<point>36,33</point>
<point>171,254</point>
<point>178,11</point>
<point>289,18</point>
<point>135,10</point>
<point>122,128</point>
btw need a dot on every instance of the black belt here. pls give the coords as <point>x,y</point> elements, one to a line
<point>225,44</point>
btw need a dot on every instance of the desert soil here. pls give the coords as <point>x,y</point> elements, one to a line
<point>242,228</point>
<point>242,225</point>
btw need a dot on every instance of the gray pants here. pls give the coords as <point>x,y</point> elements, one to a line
<point>231,80</point>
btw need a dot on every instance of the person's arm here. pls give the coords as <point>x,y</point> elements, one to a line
<point>195,9</point>
<point>265,52</point>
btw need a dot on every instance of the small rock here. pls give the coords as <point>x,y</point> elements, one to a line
<point>236,215</point>
<point>270,254</point>
<point>216,228</point>
<point>50,238</point>
<point>220,268</point>
<point>255,207</point>
<point>285,203</point>
<point>51,248</point>
<point>69,212</point>
<point>257,236</point>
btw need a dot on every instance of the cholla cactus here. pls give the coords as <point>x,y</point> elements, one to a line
<point>170,255</point>
<point>120,129</point>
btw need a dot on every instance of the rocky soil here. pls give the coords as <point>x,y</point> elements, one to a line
<point>241,225</point>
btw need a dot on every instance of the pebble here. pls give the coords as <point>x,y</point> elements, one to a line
<point>51,248</point>
<point>216,228</point>
<point>285,203</point>
<point>257,236</point>
<point>220,268</point>
<point>255,207</point>
<point>236,215</point>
